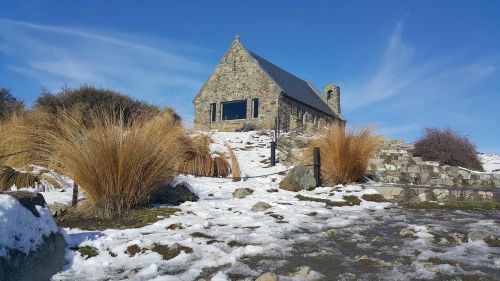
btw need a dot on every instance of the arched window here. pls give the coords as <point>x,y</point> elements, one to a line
<point>329,94</point>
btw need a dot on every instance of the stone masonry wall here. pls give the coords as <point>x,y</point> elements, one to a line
<point>299,117</point>
<point>395,163</point>
<point>237,77</point>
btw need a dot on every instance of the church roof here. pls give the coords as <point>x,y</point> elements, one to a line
<point>293,86</point>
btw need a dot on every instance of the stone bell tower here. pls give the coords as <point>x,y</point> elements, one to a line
<point>331,96</point>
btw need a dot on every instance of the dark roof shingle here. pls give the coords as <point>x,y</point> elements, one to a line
<point>293,86</point>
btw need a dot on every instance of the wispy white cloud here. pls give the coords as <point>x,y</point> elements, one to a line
<point>403,79</point>
<point>160,70</point>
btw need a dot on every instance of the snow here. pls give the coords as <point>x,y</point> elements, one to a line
<point>221,216</point>
<point>20,229</point>
<point>491,162</point>
<point>238,233</point>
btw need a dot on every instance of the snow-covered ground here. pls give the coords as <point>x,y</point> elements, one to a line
<point>239,242</point>
<point>491,162</point>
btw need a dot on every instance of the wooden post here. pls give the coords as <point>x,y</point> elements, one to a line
<point>273,153</point>
<point>74,200</point>
<point>317,167</point>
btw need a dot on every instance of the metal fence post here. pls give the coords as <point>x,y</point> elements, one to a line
<point>273,153</point>
<point>74,200</point>
<point>317,167</point>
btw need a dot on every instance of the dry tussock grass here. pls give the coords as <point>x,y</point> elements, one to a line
<point>235,166</point>
<point>198,160</point>
<point>118,164</point>
<point>10,177</point>
<point>344,154</point>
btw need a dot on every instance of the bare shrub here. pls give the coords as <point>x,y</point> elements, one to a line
<point>235,166</point>
<point>96,101</point>
<point>448,148</point>
<point>344,153</point>
<point>198,159</point>
<point>9,104</point>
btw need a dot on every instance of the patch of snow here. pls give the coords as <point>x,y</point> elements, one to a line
<point>491,162</point>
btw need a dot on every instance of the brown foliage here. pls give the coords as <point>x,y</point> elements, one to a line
<point>448,148</point>
<point>198,160</point>
<point>235,166</point>
<point>344,154</point>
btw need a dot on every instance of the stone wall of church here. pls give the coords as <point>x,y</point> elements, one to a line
<point>295,116</point>
<point>237,77</point>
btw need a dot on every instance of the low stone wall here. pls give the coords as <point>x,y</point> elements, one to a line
<point>395,163</point>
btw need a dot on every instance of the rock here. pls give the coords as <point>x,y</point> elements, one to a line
<point>407,195</point>
<point>365,260</point>
<point>242,192</point>
<point>260,206</point>
<point>377,240</point>
<point>39,257</point>
<point>268,276</point>
<point>427,195</point>
<point>302,272</point>
<point>173,195</point>
<point>330,233</point>
<point>406,233</point>
<point>479,235</point>
<point>58,208</point>
<point>299,178</point>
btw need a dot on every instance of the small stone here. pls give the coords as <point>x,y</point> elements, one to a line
<point>242,192</point>
<point>330,233</point>
<point>407,233</point>
<point>351,241</point>
<point>365,260</point>
<point>479,235</point>
<point>378,240</point>
<point>302,272</point>
<point>260,206</point>
<point>268,276</point>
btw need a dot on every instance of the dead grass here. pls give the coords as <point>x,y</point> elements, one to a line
<point>10,177</point>
<point>199,161</point>
<point>344,154</point>
<point>117,164</point>
<point>83,218</point>
<point>235,166</point>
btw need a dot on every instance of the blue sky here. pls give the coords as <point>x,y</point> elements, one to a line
<point>401,65</point>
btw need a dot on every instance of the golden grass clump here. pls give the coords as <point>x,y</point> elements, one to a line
<point>118,164</point>
<point>10,177</point>
<point>344,154</point>
<point>198,159</point>
<point>25,137</point>
<point>235,166</point>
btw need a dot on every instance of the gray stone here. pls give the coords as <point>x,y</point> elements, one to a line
<point>302,272</point>
<point>242,192</point>
<point>173,195</point>
<point>57,208</point>
<point>268,276</point>
<point>39,264</point>
<point>260,206</point>
<point>299,178</point>
<point>407,233</point>
<point>479,235</point>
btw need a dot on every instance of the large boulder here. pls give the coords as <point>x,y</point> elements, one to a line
<point>242,192</point>
<point>31,244</point>
<point>299,178</point>
<point>173,194</point>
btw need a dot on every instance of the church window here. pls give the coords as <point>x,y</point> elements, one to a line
<point>255,108</point>
<point>233,110</point>
<point>213,110</point>
<point>329,95</point>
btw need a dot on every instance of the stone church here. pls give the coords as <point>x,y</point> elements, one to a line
<point>245,88</point>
